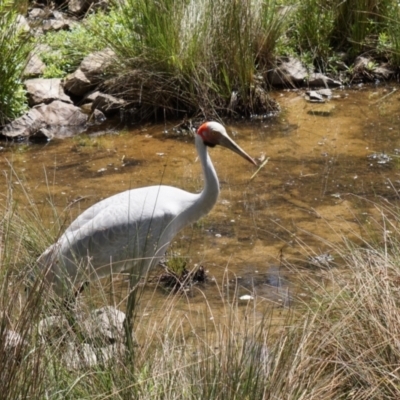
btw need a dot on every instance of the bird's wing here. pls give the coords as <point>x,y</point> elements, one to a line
<point>131,226</point>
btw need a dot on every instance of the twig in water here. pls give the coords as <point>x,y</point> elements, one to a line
<point>259,168</point>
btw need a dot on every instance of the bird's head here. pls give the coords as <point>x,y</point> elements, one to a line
<point>213,133</point>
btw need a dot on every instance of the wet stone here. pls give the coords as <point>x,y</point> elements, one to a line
<point>324,260</point>
<point>318,96</point>
<point>380,158</point>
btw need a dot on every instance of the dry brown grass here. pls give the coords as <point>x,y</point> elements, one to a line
<point>342,344</point>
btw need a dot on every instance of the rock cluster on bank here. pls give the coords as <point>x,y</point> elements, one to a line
<point>94,338</point>
<point>65,107</point>
<point>54,113</point>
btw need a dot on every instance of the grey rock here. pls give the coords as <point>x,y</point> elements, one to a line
<point>37,13</point>
<point>366,67</point>
<point>96,117</point>
<point>59,113</point>
<point>54,25</point>
<point>34,67</point>
<point>43,48</point>
<point>87,108</point>
<point>22,24</point>
<point>13,347</point>
<point>58,15</point>
<point>91,97</point>
<point>57,23</point>
<point>53,329</point>
<point>326,93</point>
<point>96,63</point>
<point>105,326</point>
<point>24,126</point>
<point>12,340</point>
<point>42,90</point>
<point>60,132</point>
<point>79,356</point>
<point>57,119</point>
<point>78,83</point>
<point>384,71</point>
<point>289,72</point>
<point>89,73</point>
<point>317,79</point>
<point>79,6</point>
<point>83,355</point>
<point>97,337</point>
<point>108,104</point>
<point>318,96</point>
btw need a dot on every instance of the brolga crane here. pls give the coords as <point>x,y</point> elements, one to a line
<point>131,231</point>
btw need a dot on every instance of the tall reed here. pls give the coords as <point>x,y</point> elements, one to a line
<point>182,56</point>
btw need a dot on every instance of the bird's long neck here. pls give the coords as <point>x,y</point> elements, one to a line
<point>208,197</point>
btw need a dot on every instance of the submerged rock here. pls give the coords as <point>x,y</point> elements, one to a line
<point>320,99</point>
<point>322,110</point>
<point>314,96</point>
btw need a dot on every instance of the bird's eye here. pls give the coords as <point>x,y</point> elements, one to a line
<point>211,134</point>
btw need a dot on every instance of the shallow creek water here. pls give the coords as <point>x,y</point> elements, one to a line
<point>327,169</point>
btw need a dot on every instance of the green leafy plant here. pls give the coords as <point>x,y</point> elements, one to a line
<point>64,50</point>
<point>357,21</point>
<point>15,45</point>
<point>389,39</point>
<point>313,23</point>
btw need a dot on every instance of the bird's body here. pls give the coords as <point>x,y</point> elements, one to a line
<point>131,231</point>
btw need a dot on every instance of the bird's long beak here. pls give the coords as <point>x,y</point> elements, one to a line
<point>227,142</point>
